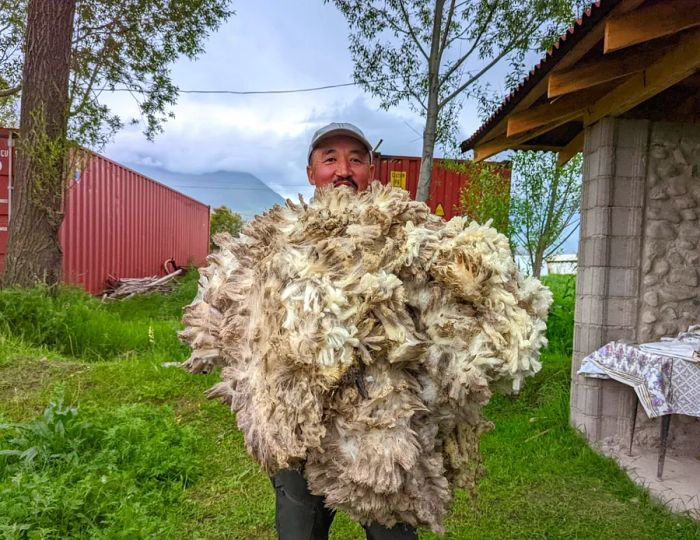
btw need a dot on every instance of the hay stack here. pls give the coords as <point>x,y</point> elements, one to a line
<point>360,336</point>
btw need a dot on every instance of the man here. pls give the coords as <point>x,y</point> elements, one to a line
<point>339,155</point>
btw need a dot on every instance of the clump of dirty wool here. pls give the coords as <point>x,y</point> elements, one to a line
<point>359,337</point>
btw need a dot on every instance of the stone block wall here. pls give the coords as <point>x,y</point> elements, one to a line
<point>639,257</point>
<point>670,297</point>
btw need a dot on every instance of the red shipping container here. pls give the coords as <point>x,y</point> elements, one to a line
<point>118,222</point>
<point>445,186</point>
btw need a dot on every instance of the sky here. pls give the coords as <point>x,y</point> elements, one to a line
<point>270,45</point>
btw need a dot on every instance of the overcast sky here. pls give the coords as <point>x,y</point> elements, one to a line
<point>269,45</point>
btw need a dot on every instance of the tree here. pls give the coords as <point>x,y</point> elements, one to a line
<point>112,45</point>
<point>117,45</point>
<point>486,196</point>
<point>545,204</point>
<point>432,54</point>
<point>223,220</point>
<point>33,251</point>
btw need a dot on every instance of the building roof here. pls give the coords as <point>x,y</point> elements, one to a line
<point>563,45</point>
<point>619,55</point>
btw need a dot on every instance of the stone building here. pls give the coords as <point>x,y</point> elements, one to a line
<point>623,87</point>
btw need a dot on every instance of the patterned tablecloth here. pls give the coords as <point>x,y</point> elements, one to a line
<point>664,384</point>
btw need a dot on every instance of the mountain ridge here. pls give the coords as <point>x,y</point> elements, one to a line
<point>242,192</point>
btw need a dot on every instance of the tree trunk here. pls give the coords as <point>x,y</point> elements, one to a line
<point>426,163</point>
<point>431,115</point>
<point>33,251</point>
<point>537,265</point>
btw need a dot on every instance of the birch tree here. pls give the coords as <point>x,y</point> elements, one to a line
<point>433,53</point>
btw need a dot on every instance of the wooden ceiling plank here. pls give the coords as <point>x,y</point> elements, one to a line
<point>492,147</point>
<point>601,70</point>
<point>647,23</point>
<point>678,64</point>
<point>502,142</point>
<point>570,150</point>
<point>560,111</point>
<point>579,51</point>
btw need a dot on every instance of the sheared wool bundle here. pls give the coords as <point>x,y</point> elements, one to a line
<point>359,337</point>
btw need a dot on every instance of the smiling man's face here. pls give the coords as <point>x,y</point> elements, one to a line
<point>340,161</point>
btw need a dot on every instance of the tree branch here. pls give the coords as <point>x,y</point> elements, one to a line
<point>555,248</point>
<point>93,79</point>
<point>407,20</point>
<point>475,43</point>
<point>7,92</point>
<point>443,42</point>
<point>503,53</point>
<point>95,30</point>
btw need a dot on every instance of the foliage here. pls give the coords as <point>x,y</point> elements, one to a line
<point>64,477</point>
<point>47,155</point>
<point>125,44</point>
<point>560,323</point>
<point>222,219</point>
<point>431,55</point>
<point>487,193</point>
<point>545,204</point>
<point>12,29</point>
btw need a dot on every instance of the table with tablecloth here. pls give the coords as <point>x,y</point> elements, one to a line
<point>665,384</point>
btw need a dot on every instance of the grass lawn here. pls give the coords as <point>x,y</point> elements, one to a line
<point>99,440</point>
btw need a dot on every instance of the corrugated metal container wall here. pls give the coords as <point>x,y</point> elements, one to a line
<point>6,165</point>
<point>122,223</point>
<point>118,222</point>
<point>445,186</point>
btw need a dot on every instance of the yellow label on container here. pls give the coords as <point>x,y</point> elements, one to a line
<point>439,210</point>
<point>398,179</point>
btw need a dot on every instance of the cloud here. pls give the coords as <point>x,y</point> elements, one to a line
<point>275,45</point>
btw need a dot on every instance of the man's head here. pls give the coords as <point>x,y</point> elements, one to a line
<point>339,154</point>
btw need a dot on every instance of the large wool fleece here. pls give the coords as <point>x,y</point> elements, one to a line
<point>359,337</point>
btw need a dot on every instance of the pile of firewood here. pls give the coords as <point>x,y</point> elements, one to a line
<point>128,287</point>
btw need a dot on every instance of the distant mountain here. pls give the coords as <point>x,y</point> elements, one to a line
<point>240,191</point>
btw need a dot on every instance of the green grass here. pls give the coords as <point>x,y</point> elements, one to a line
<point>114,445</point>
<point>72,323</point>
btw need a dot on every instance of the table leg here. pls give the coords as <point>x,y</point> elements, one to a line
<point>665,424</point>
<point>633,423</point>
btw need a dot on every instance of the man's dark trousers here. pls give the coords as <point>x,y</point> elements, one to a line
<point>303,516</point>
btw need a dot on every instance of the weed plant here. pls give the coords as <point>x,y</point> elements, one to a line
<point>62,476</point>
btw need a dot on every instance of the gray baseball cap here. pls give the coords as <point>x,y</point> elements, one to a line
<point>339,128</point>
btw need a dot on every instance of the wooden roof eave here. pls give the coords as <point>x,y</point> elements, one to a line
<point>640,72</point>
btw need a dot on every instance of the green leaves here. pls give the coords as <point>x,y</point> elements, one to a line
<point>118,476</point>
<point>392,46</point>
<point>223,220</point>
<point>127,44</point>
